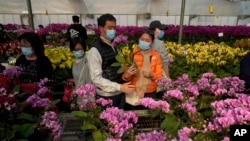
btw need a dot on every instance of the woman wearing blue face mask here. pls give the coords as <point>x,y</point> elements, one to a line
<point>35,65</point>
<point>148,67</point>
<point>78,48</point>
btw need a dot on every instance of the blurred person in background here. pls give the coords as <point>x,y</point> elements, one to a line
<point>76,29</point>
<point>42,33</point>
<point>160,47</point>
<point>245,71</point>
<point>2,34</point>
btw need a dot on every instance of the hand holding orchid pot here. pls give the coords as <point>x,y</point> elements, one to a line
<point>201,110</point>
<point>105,122</point>
<point>125,57</point>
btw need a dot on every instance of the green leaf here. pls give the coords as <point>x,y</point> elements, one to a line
<point>202,136</point>
<point>25,130</point>
<point>28,117</point>
<point>22,140</point>
<point>205,101</point>
<point>116,64</point>
<point>88,126</point>
<point>10,134</point>
<point>54,102</point>
<point>120,70</point>
<point>21,94</point>
<point>155,113</point>
<point>16,88</point>
<point>170,124</point>
<point>98,136</point>
<point>120,59</point>
<point>79,114</point>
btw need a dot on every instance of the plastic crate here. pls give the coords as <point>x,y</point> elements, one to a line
<point>71,128</point>
<point>146,122</point>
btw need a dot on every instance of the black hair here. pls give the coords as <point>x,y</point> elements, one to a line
<point>149,32</point>
<point>2,27</point>
<point>75,41</point>
<point>105,17</point>
<point>35,42</point>
<point>75,19</point>
<point>41,26</point>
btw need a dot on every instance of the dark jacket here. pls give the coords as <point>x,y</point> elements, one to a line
<point>245,70</point>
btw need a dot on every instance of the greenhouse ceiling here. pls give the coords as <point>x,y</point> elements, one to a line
<point>155,7</point>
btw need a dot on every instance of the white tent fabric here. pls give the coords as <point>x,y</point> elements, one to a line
<point>226,12</point>
<point>155,7</point>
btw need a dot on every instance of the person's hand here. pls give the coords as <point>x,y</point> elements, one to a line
<point>127,88</point>
<point>130,72</point>
<point>148,74</point>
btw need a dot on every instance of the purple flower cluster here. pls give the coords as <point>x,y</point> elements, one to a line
<point>49,120</point>
<point>182,81</point>
<point>37,100</point>
<point>193,89</point>
<point>230,111</point>
<point>13,72</point>
<point>189,105</point>
<point>185,132</point>
<point>86,95</point>
<point>120,39</point>
<point>226,139</point>
<point>152,136</point>
<point>7,101</point>
<point>118,121</point>
<point>217,86</point>
<point>43,82</point>
<point>54,28</point>
<point>87,90</point>
<point>164,83</point>
<point>103,102</point>
<point>152,104</point>
<point>234,85</point>
<point>176,94</point>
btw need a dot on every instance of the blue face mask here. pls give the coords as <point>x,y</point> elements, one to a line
<point>27,51</point>
<point>78,54</point>
<point>161,35</point>
<point>110,34</point>
<point>144,45</point>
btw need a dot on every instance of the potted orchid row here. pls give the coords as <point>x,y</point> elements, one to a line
<point>190,110</point>
<point>199,110</point>
<point>33,122</point>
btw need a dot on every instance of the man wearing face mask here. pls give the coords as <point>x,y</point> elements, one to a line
<point>159,45</point>
<point>101,56</point>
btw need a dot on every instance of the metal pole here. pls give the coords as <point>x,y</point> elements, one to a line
<point>31,23</point>
<point>181,20</point>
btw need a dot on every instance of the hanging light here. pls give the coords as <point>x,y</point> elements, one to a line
<point>46,12</point>
<point>167,13</point>
<point>211,9</point>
